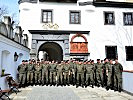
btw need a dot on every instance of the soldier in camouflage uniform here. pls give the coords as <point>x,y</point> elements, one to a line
<point>38,70</point>
<point>99,73</point>
<point>59,69</point>
<point>66,73</point>
<point>90,73</point>
<point>74,71</point>
<point>22,73</point>
<point>71,70</point>
<point>118,69</point>
<point>30,72</point>
<point>52,69</point>
<point>45,67</point>
<point>80,74</point>
<point>109,70</point>
<point>105,65</point>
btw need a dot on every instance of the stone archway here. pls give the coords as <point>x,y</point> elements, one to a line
<point>53,51</point>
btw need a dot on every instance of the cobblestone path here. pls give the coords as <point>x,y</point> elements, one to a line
<point>68,93</point>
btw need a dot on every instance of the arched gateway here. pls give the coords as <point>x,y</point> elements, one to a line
<point>52,51</point>
<point>54,44</point>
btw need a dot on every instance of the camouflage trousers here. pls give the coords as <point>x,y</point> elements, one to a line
<point>30,77</point>
<point>44,77</point>
<point>37,77</point>
<point>66,77</point>
<point>59,77</point>
<point>52,74</point>
<point>109,79</point>
<point>89,77</point>
<point>22,78</point>
<point>99,77</point>
<point>80,75</point>
<point>118,80</point>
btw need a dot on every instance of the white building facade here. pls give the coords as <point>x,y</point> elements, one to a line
<point>13,49</point>
<point>83,29</point>
<point>45,21</point>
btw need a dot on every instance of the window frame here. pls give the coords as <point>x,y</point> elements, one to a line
<point>124,20</point>
<point>127,59</point>
<point>105,17</point>
<point>75,11</point>
<point>42,17</point>
<point>116,51</point>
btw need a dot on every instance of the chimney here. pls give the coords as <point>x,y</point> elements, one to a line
<point>19,32</point>
<point>7,21</point>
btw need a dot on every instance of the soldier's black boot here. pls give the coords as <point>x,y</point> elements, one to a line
<point>64,82</point>
<point>98,85</point>
<point>82,85</point>
<point>92,86</point>
<point>119,89</point>
<point>77,85</point>
<point>107,88</point>
<point>86,84</point>
<point>102,84</point>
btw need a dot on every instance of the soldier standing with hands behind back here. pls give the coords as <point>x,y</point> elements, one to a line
<point>30,72</point>
<point>59,69</point>
<point>38,73</point>
<point>22,73</point>
<point>118,69</point>
<point>52,69</point>
<point>80,74</point>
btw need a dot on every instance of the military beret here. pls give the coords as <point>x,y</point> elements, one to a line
<point>92,60</point>
<point>98,59</point>
<point>105,59</point>
<point>116,58</point>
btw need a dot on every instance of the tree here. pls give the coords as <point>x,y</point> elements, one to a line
<point>3,11</point>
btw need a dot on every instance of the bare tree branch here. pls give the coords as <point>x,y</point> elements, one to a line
<point>3,11</point>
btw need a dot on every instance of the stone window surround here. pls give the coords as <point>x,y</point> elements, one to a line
<point>47,10</point>
<point>124,19</point>
<point>79,18</point>
<point>112,12</point>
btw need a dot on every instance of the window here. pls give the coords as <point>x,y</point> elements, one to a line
<point>47,16</point>
<point>75,17</point>
<point>128,18</point>
<point>109,18</point>
<point>129,53</point>
<point>111,52</point>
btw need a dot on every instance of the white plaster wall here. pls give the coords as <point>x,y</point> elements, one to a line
<point>128,81</point>
<point>92,19</point>
<point>9,64</point>
<point>118,34</point>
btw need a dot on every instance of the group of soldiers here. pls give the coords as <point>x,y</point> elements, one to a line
<point>71,72</point>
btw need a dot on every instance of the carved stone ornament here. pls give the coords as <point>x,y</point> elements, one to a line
<point>79,47</point>
<point>50,26</point>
